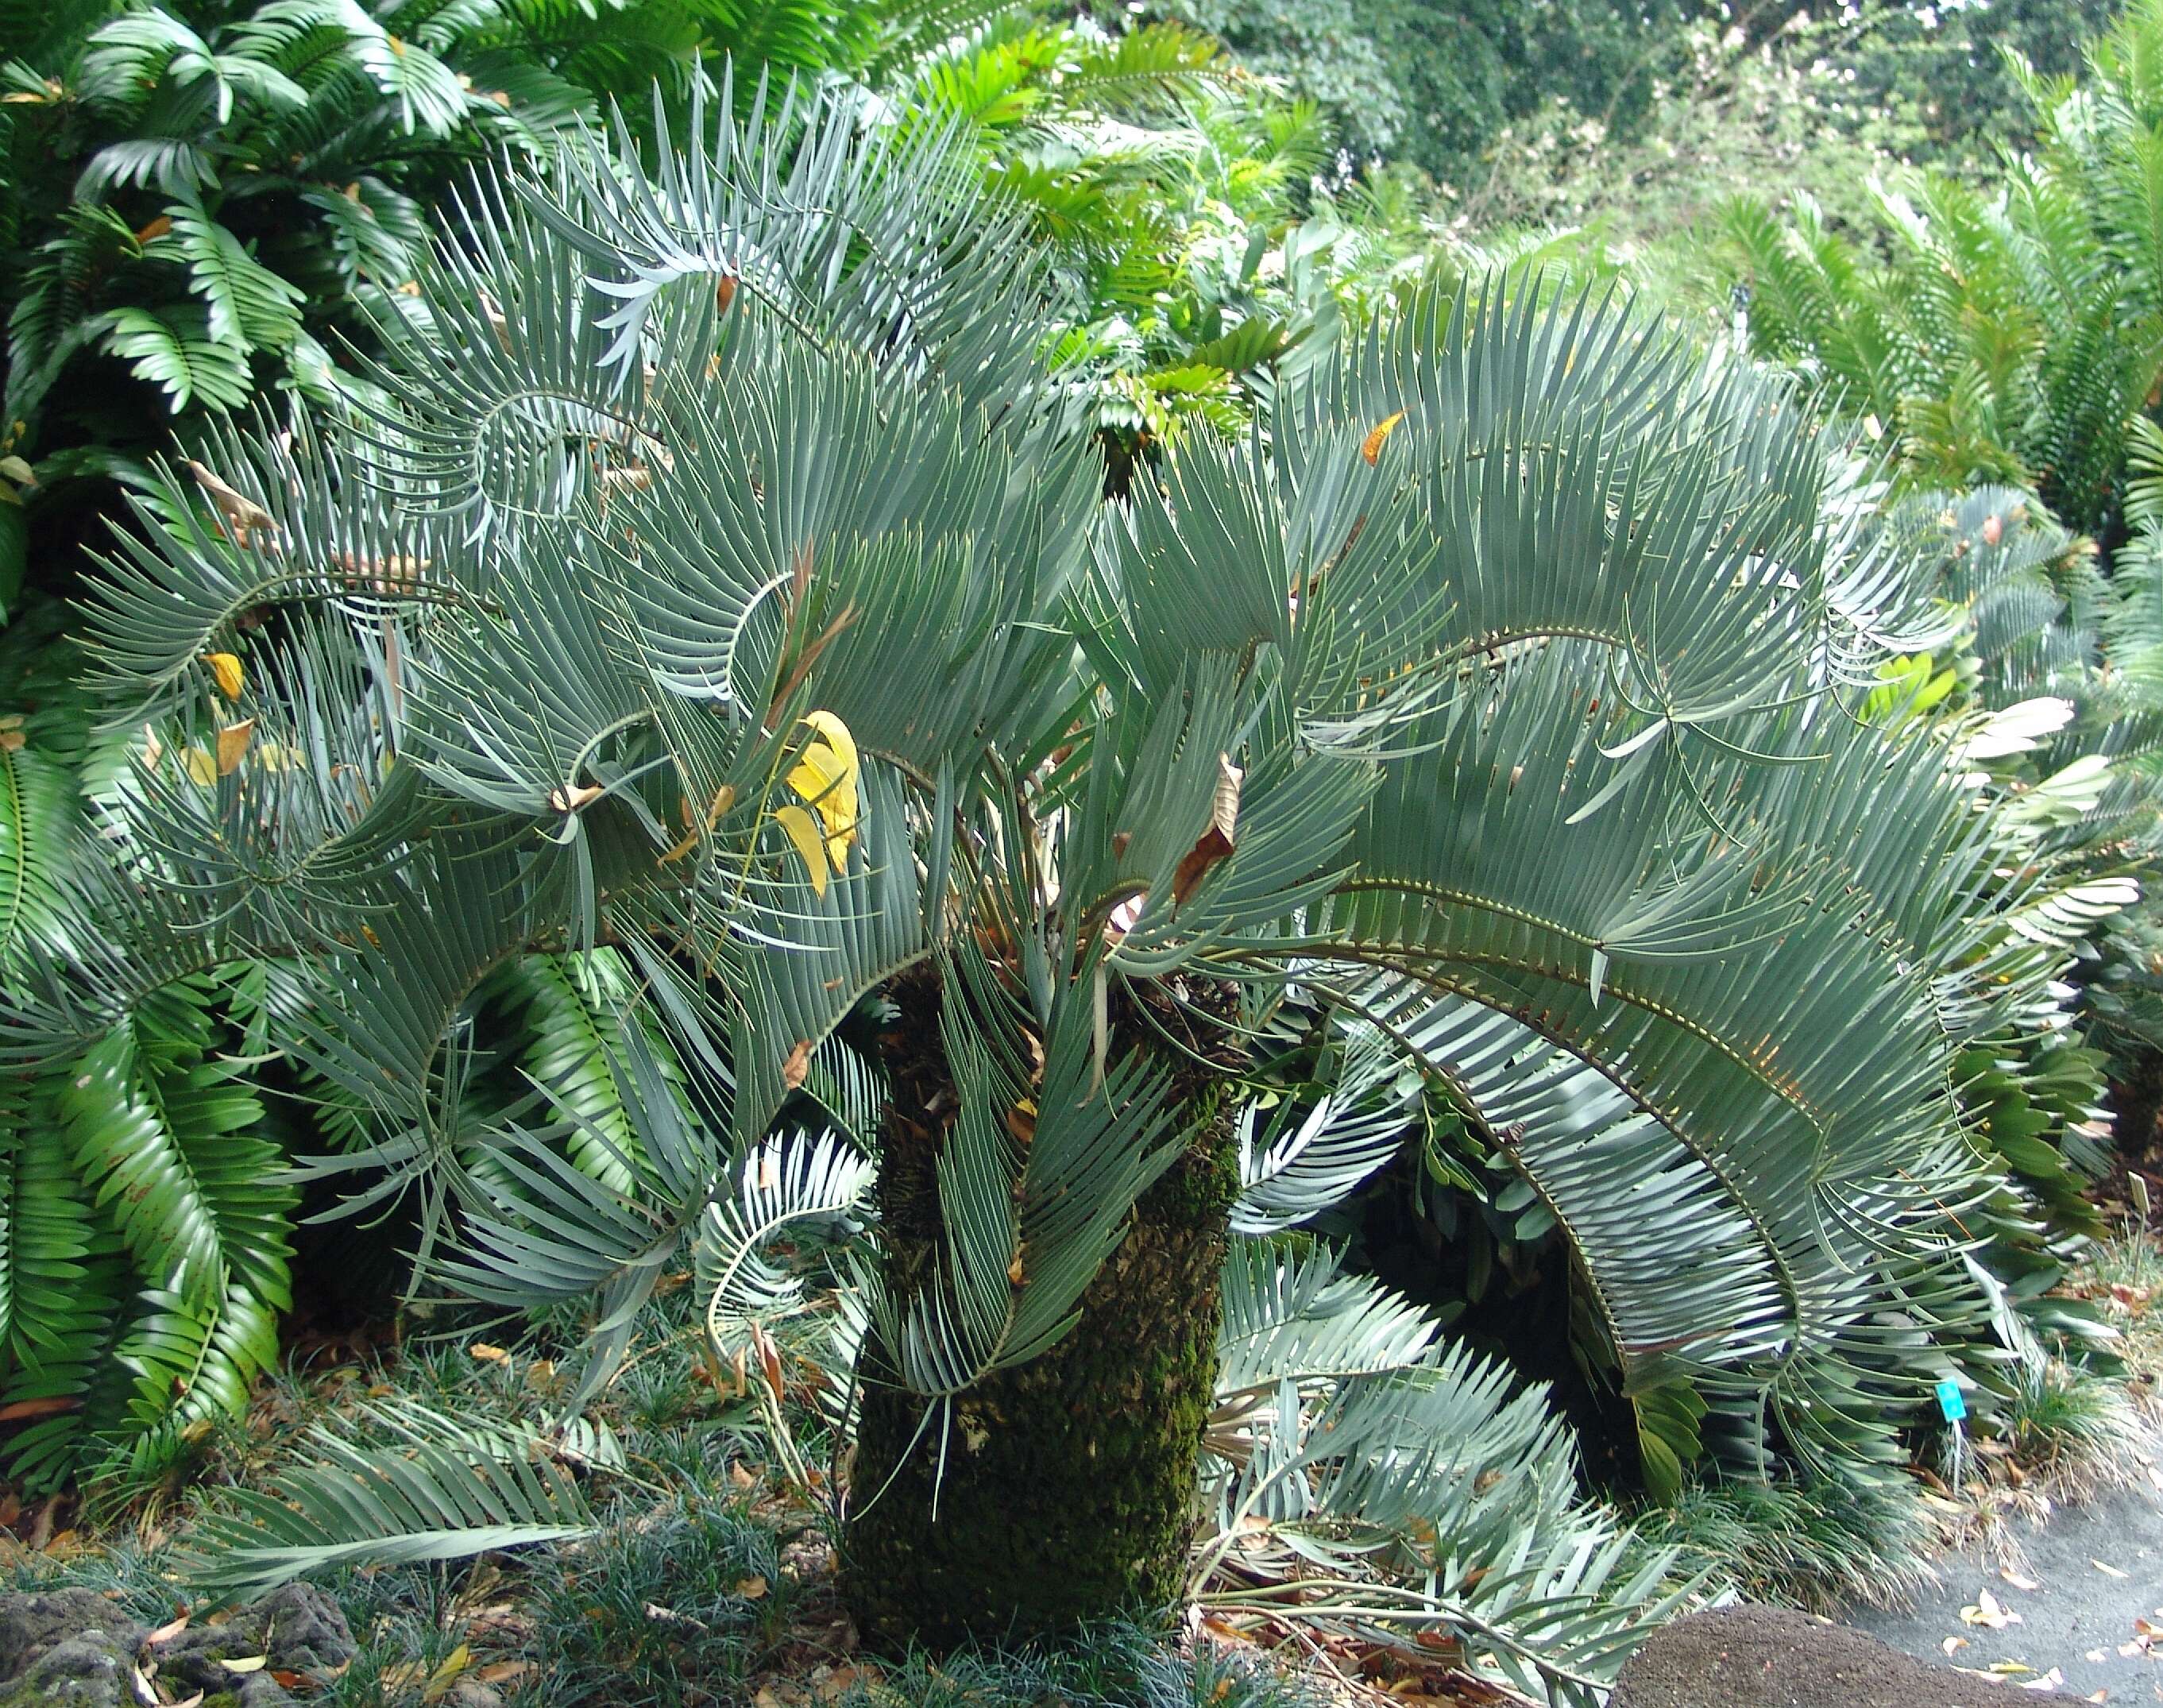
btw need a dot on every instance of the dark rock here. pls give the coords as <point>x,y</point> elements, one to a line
<point>303,1629</point>
<point>77,1672</point>
<point>74,1649</point>
<point>1772,1657</point>
<point>298,1627</point>
<point>30,1624</point>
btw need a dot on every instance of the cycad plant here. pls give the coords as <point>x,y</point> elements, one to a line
<point>201,202</point>
<point>712,578</point>
<point>2011,333</point>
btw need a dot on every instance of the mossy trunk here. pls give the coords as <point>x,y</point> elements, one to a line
<point>1064,1490</point>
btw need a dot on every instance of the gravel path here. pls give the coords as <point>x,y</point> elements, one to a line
<point>2077,1617</point>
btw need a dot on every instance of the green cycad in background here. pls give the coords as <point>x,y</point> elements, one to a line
<point>208,199</point>
<point>714,577</point>
<point>2012,334</point>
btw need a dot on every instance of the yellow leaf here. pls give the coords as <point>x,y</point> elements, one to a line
<point>12,739</point>
<point>825,774</point>
<point>446,1674</point>
<point>232,745</point>
<point>250,1664</point>
<point>226,669</point>
<point>486,1353</point>
<point>797,825</point>
<point>837,737</point>
<point>752,1589</point>
<point>203,770</point>
<point>1371,447</point>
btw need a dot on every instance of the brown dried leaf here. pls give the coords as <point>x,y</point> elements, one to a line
<point>798,1065</point>
<point>236,506</point>
<point>47,1405</point>
<point>1217,842</point>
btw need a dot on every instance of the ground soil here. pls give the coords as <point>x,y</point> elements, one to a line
<point>1772,1657</point>
<point>2083,1591</point>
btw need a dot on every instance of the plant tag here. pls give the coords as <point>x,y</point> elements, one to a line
<point>1950,1402</point>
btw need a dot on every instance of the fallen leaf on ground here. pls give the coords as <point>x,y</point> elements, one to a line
<point>1952,1643</point>
<point>750,1588</point>
<point>488,1355</point>
<point>247,1664</point>
<point>2014,1579</point>
<point>2110,1571</point>
<point>1987,1609</point>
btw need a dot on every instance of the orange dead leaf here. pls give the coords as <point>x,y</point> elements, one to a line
<point>48,1406</point>
<point>798,1065</point>
<point>1371,447</point>
<point>232,745</point>
<point>227,671</point>
<point>486,1353</point>
<point>569,800</point>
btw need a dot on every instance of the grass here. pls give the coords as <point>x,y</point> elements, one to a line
<point>719,1592</point>
<point>1823,1547</point>
<point>1111,1666</point>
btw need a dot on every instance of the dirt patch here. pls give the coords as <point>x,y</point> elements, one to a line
<point>1772,1657</point>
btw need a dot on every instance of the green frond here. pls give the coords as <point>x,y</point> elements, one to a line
<point>65,1281</point>
<point>40,824</point>
<point>784,1186</point>
<point>435,1489</point>
<point>170,1148</point>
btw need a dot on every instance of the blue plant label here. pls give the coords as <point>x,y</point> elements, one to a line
<point>1951,1401</point>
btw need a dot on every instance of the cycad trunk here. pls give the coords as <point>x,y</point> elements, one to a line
<point>1065,1490</point>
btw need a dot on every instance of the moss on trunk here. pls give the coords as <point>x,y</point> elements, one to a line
<point>1066,1488</point>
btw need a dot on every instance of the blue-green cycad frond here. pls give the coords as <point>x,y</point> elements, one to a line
<point>1426,1488</point>
<point>426,1487</point>
<point>873,241</point>
<point>256,521</point>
